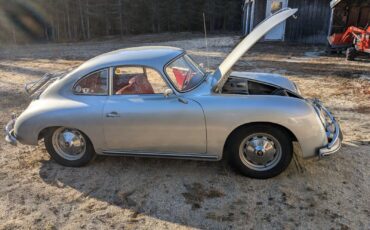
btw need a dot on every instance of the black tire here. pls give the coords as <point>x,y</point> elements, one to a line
<point>278,134</point>
<point>87,154</point>
<point>351,54</point>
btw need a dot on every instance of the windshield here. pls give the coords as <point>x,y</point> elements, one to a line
<point>185,74</point>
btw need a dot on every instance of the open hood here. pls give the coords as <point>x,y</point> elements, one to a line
<point>222,72</point>
<point>333,3</point>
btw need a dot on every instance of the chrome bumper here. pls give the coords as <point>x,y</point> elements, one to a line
<point>9,131</point>
<point>333,131</point>
<point>334,145</point>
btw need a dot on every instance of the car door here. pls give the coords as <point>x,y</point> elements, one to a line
<point>139,118</point>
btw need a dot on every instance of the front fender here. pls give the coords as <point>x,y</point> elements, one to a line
<point>225,113</point>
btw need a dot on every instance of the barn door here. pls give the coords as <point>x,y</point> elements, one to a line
<point>272,7</point>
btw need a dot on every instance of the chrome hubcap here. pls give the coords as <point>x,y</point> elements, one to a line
<point>260,151</point>
<point>69,143</point>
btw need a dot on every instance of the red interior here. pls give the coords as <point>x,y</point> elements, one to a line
<point>134,84</point>
<point>180,76</point>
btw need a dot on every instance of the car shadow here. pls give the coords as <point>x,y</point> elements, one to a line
<point>191,193</point>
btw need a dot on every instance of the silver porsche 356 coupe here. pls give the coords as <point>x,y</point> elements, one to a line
<point>157,102</point>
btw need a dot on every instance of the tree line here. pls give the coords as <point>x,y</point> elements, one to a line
<point>71,20</point>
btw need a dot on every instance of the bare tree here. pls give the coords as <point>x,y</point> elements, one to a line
<point>85,19</point>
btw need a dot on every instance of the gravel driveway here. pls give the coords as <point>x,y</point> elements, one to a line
<point>141,193</point>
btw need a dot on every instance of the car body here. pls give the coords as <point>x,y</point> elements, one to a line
<point>185,116</point>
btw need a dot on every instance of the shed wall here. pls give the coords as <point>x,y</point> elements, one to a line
<point>312,24</point>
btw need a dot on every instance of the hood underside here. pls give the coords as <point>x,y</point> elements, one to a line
<point>270,79</point>
<point>245,83</point>
<point>222,72</point>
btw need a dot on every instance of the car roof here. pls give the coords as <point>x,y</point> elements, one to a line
<point>151,56</point>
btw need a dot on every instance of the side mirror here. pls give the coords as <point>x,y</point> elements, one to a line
<point>167,92</point>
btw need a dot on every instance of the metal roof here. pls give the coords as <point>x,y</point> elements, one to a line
<point>145,55</point>
<point>138,55</point>
<point>155,57</point>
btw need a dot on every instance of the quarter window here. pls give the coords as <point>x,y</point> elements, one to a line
<point>93,84</point>
<point>184,73</point>
<point>137,80</point>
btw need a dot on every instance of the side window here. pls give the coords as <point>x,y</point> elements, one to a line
<point>137,80</point>
<point>93,84</point>
<point>184,73</point>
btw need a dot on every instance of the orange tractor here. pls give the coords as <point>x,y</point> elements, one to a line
<point>355,41</point>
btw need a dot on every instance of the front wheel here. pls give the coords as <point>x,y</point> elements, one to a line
<point>69,147</point>
<point>260,151</point>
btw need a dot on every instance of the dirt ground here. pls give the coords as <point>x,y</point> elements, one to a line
<point>137,193</point>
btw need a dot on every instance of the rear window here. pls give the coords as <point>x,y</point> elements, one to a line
<point>93,84</point>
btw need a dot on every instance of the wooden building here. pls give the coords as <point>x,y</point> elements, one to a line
<point>316,19</point>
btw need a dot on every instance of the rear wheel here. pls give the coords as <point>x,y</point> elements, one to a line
<point>69,147</point>
<point>260,151</point>
<point>351,54</point>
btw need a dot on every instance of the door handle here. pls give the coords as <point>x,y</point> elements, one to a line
<point>182,100</point>
<point>112,114</point>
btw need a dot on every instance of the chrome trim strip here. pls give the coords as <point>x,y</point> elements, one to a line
<point>164,155</point>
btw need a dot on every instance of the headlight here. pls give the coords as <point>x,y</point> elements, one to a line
<point>325,117</point>
<point>328,121</point>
